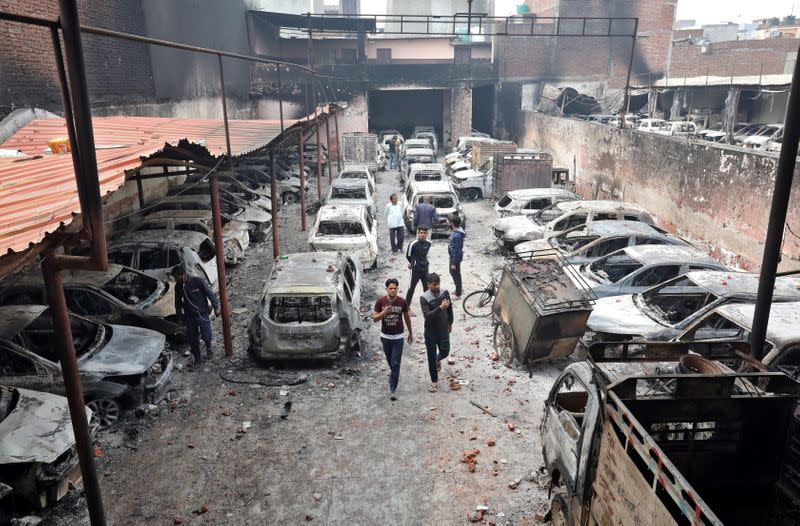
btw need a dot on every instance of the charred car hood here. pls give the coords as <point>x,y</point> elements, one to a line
<point>131,350</point>
<point>620,315</point>
<point>37,430</point>
<point>340,242</point>
<point>512,222</point>
<point>165,305</point>
<point>536,245</point>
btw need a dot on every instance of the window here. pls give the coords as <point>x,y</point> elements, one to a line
<point>504,201</point>
<point>656,275</point>
<point>614,267</point>
<point>173,258</point>
<point>442,201</point>
<point>349,281</point>
<point>348,193</point>
<point>537,204</point>
<point>604,216</point>
<point>39,335</point>
<point>427,176</point>
<point>570,403</point>
<point>206,251</point>
<point>631,217</point>
<point>570,221</point>
<point>151,259</point>
<point>14,364</point>
<point>131,287</point>
<point>335,228</point>
<point>607,246</point>
<point>717,327</point>
<point>192,227</point>
<point>87,303</point>
<point>121,257</point>
<point>649,241</point>
<point>300,309</point>
<point>353,175</point>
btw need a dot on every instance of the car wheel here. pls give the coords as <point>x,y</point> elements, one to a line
<point>291,198</point>
<point>472,194</point>
<point>559,512</point>
<point>105,411</point>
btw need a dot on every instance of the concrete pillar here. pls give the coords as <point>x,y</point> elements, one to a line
<point>447,121</point>
<point>461,109</point>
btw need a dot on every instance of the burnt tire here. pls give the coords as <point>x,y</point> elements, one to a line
<point>291,198</point>
<point>559,512</point>
<point>105,411</point>
<point>472,194</point>
<point>504,343</point>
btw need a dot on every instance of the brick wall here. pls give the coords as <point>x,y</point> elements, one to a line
<point>118,72</point>
<point>717,196</point>
<point>741,57</point>
<point>564,58</point>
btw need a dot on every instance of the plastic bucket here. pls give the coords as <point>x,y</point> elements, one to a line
<point>59,145</point>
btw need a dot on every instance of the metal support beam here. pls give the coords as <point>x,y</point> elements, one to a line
<point>319,159</point>
<point>338,142</point>
<point>68,361</point>
<point>777,217</point>
<point>217,219</point>
<point>273,192</point>
<point>280,96</point>
<point>301,145</point>
<point>627,100</point>
<point>328,144</point>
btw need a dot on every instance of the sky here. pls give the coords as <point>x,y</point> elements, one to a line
<point>708,11</point>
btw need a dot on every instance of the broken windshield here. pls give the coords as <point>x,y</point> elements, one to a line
<point>348,193</point>
<point>614,267</point>
<point>442,201</point>
<point>300,309</point>
<point>40,336</point>
<point>353,175</point>
<point>131,287</point>
<point>427,176</point>
<point>337,228</point>
<point>675,300</point>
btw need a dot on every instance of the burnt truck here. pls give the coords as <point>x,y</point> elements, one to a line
<point>361,148</point>
<point>664,436</point>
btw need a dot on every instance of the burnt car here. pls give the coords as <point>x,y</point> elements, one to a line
<point>235,235</point>
<point>119,295</point>
<point>156,253</point>
<point>309,308</point>
<point>38,459</point>
<point>118,365</point>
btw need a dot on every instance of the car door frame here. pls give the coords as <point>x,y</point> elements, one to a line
<point>45,381</point>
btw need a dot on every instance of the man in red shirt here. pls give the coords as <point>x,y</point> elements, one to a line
<point>391,310</point>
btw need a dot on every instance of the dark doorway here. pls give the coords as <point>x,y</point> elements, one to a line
<point>482,109</point>
<point>404,109</point>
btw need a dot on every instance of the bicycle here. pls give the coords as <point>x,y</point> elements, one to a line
<point>479,303</point>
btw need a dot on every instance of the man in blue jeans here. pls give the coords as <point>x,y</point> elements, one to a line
<point>438,312</point>
<point>391,310</point>
<point>192,296</point>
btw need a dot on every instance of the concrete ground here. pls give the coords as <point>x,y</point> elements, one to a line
<point>216,452</point>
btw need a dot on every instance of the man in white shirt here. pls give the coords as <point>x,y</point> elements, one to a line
<point>397,228</point>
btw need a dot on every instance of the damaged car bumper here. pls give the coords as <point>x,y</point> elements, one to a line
<point>272,341</point>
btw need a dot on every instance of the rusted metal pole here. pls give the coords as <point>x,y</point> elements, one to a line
<point>328,144</point>
<point>777,217</point>
<point>338,142</point>
<point>319,158</point>
<point>627,94</point>
<point>69,119</point>
<point>280,96</point>
<point>72,385</point>
<point>273,191</point>
<point>301,143</point>
<point>217,219</point>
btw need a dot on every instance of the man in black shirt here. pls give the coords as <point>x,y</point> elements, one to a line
<point>438,312</point>
<point>191,301</point>
<point>417,256</point>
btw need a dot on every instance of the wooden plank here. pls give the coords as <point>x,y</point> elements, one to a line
<point>622,495</point>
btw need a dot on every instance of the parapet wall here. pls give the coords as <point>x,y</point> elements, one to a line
<point>718,196</point>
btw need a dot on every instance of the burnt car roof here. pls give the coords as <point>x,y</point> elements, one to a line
<point>349,183</point>
<point>731,283</point>
<point>171,238</point>
<point>340,212</point>
<point>656,254</point>
<point>14,318</point>
<point>422,167</point>
<point>178,214</point>
<point>540,192</point>
<point>569,206</point>
<point>304,272</point>
<point>435,187</point>
<point>782,329</point>
<point>96,278</point>
<point>624,228</point>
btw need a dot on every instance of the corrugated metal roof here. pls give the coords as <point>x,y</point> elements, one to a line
<point>38,194</point>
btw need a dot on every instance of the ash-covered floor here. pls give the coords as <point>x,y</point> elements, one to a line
<point>217,452</point>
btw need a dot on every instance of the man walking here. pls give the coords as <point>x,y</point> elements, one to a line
<point>393,153</point>
<point>438,312</point>
<point>191,302</point>
<point>417,256</point>
<point>425,214</point>
<point>391,310</point>
<point>455,248</point>
<point>397,228</point>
